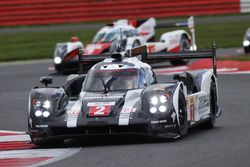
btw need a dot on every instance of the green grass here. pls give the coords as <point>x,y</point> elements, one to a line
<point>36,45</point>
<point>226,35</point>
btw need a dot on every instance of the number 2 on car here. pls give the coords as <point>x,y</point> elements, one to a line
<point>99,111</point>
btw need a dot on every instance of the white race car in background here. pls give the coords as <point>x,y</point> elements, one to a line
<point>128,34</point>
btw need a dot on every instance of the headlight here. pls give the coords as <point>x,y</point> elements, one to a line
<point>153,110</point>
<point>46,114</point>
<point>38,113</point>
<point>57,60</point>
<point>163,99</point>
<point>246,43</point>
<point>46,104</point>
<point>42,108</point>
<point>162,108</point>
<point>154,100</point>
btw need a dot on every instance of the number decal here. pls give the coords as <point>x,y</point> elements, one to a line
<point>99,111</point>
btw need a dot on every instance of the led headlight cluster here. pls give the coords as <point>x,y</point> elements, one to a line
<point>158,103</point>
<point>42,108</point>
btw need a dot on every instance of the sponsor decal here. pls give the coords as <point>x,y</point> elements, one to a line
<point>158,122</point>
<point>124,118</point>
<point>42,126</point>
<point>103,97</point>
<point>72,115</point>
<point>100,104</point>
<point>203,102</point>
<point>192,118</point>
<point>125,115</point>
<point>131,99</point>
<point>124,110</point>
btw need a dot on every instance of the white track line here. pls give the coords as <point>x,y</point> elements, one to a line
<point>14,132</point>
<point>14,138</point>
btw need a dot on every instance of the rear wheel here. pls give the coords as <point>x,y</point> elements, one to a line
<point>184,46</point>
<point>213,107</point>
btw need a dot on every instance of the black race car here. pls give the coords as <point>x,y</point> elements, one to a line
<point>121,95</point>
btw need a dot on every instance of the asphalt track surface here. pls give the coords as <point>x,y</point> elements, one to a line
<point>226,145</point>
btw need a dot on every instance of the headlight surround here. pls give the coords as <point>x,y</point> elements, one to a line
<point>158,103</point>
<point>42,108</point>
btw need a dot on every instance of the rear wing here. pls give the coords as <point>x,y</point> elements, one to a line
<point>141,53</point>
<point>147,57</point>
<point>89,59</point>
<point>189,23</point>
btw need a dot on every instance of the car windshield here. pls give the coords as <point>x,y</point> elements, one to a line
<point>111,36</point>
<point>111,80</point>
<point>98,37</point>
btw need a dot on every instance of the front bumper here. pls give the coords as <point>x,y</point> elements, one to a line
<point>154,128</point>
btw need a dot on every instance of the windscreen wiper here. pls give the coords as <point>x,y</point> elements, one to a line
<point>104,86</point>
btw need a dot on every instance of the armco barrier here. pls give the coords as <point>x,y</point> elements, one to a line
<point>28,12</point>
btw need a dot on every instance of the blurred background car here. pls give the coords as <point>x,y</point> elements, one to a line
<point>246,41</point>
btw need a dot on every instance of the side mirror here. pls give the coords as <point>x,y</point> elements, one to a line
<point>46,80</point>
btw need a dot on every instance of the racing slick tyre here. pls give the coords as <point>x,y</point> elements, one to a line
<point>182,128</point>
<point>209,124</point>
<point>184,46</point>
<point>247,50</point>
<point>59,69</point>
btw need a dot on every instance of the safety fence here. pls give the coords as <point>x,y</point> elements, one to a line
<point>30,12</point>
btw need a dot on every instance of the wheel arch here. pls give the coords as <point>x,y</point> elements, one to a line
<point>179,87</point>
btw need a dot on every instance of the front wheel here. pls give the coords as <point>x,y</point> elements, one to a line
<point>182,124</point>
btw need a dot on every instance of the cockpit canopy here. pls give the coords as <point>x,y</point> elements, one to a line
<point>110,35</point>
<point>113,80</point>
